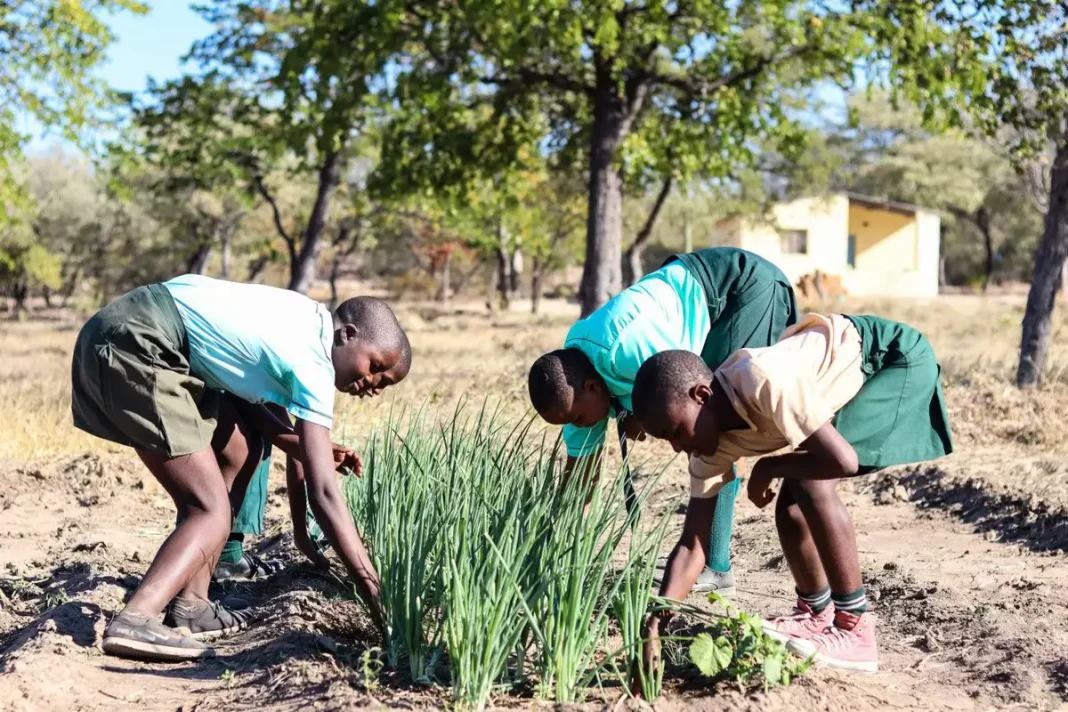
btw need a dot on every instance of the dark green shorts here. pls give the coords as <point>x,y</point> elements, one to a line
<point>899,414</point>
<point>131,381</point>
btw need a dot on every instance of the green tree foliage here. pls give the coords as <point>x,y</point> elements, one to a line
<point>48,51</point>
<point>629,91</point>
<point>304,85</point>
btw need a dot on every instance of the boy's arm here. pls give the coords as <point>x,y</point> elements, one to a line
<point>332,515</point>
<point>298,507</point>
<point>684,565</point>
<point>825,455</point>
<point>589,469</point>
<point>272,421</point>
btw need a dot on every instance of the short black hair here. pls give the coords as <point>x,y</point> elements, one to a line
<point>665,379</point>
<point>555,377</point>
<point>374,320</point>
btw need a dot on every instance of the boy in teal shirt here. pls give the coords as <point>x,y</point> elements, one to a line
<point>147,373</point>
<point>711,302</point>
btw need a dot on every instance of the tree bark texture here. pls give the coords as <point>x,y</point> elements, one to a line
<point>633,256</point>
<point>302,271</point>
<point>1050,258</point>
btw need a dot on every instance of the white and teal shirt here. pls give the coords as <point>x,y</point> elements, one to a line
<point>666,310</point>
<point>260,343</point>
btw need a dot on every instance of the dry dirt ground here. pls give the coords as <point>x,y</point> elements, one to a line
<point>965,557</point>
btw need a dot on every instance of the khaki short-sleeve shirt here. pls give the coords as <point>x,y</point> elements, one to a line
<point>784,392</point>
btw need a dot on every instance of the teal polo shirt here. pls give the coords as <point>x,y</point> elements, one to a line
<point>666,310</point>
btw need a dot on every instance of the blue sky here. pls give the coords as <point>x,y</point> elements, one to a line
<point>149,45</point>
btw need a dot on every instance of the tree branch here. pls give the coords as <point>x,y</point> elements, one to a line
<point>261,188</point>
<point>698,86</point>
<point>650,222</point>
<point>530,78</point>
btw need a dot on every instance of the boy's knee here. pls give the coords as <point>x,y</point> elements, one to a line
<point>814,491</point>
<point>208,505</point>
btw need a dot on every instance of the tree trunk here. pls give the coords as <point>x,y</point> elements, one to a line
<point>504,279</point>
<point>504,266</point>
<point>491,287</point>
<point>198,261</point>
<point>69,287</point>
<point>335,272</point>
<point>537,270</point>
<point>256,267</point>
<point>445,290</point>
<point>302,271</point>
<point>601,273</point>
<point>21,293</point>
<point>47,293</point>
<point>982,221</point>
<point>459,287</point>
<point>633,257</point>
<point>1050,258</point>
<point>227,237</point>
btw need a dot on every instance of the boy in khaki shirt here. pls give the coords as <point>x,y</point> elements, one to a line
<point>840,396</point>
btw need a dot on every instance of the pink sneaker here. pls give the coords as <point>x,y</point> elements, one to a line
<point>848,644</point>
<point>802,623</point>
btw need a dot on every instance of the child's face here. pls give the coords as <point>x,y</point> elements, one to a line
<point>689,423</point>
<point>589,407</point>
<point>362,368</point>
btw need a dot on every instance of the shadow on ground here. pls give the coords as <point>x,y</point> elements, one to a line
<point>1001,516</point>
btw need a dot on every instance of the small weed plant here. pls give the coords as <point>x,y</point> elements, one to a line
<point>738,649</point>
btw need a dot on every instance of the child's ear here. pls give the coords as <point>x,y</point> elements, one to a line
<point>348,332</point>
<point>592,386</point>
<point>701,393</point>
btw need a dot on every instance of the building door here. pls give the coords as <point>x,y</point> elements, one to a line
<point>851,251</point>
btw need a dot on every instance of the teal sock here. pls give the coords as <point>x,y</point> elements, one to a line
<point>233,550</point>
<point>855,602</point>
<point>719,544</point>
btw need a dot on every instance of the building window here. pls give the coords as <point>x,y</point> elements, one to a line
<point>793,242</point>
<point>851,251</point>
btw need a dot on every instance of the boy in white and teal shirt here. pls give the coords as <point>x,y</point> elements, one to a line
<point>711,302</point>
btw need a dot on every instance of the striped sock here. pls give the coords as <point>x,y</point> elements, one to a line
<point>855,602</point>
<point>817,601</point>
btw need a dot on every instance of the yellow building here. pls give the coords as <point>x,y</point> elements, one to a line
<point>877,247</point>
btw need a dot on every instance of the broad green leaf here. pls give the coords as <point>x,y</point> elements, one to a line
<point>711,656</point>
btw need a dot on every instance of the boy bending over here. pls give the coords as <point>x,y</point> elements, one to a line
<point>148,371</point>
<point>847,395</point>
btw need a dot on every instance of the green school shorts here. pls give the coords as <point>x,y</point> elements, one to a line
<point>131,381</point>
<point>899,415</point>
<point>750,301</point>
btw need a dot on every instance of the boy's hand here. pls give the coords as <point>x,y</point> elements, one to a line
<point>307,547</point>
<point>345,458</point>
<point>760,492</point>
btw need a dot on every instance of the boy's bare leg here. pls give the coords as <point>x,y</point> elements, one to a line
<point>238,451</point>
<point>797,544</point>
<point>832,533</point>
<point>197,487</point>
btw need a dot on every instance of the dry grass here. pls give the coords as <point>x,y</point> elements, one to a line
<point>465,353</point>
